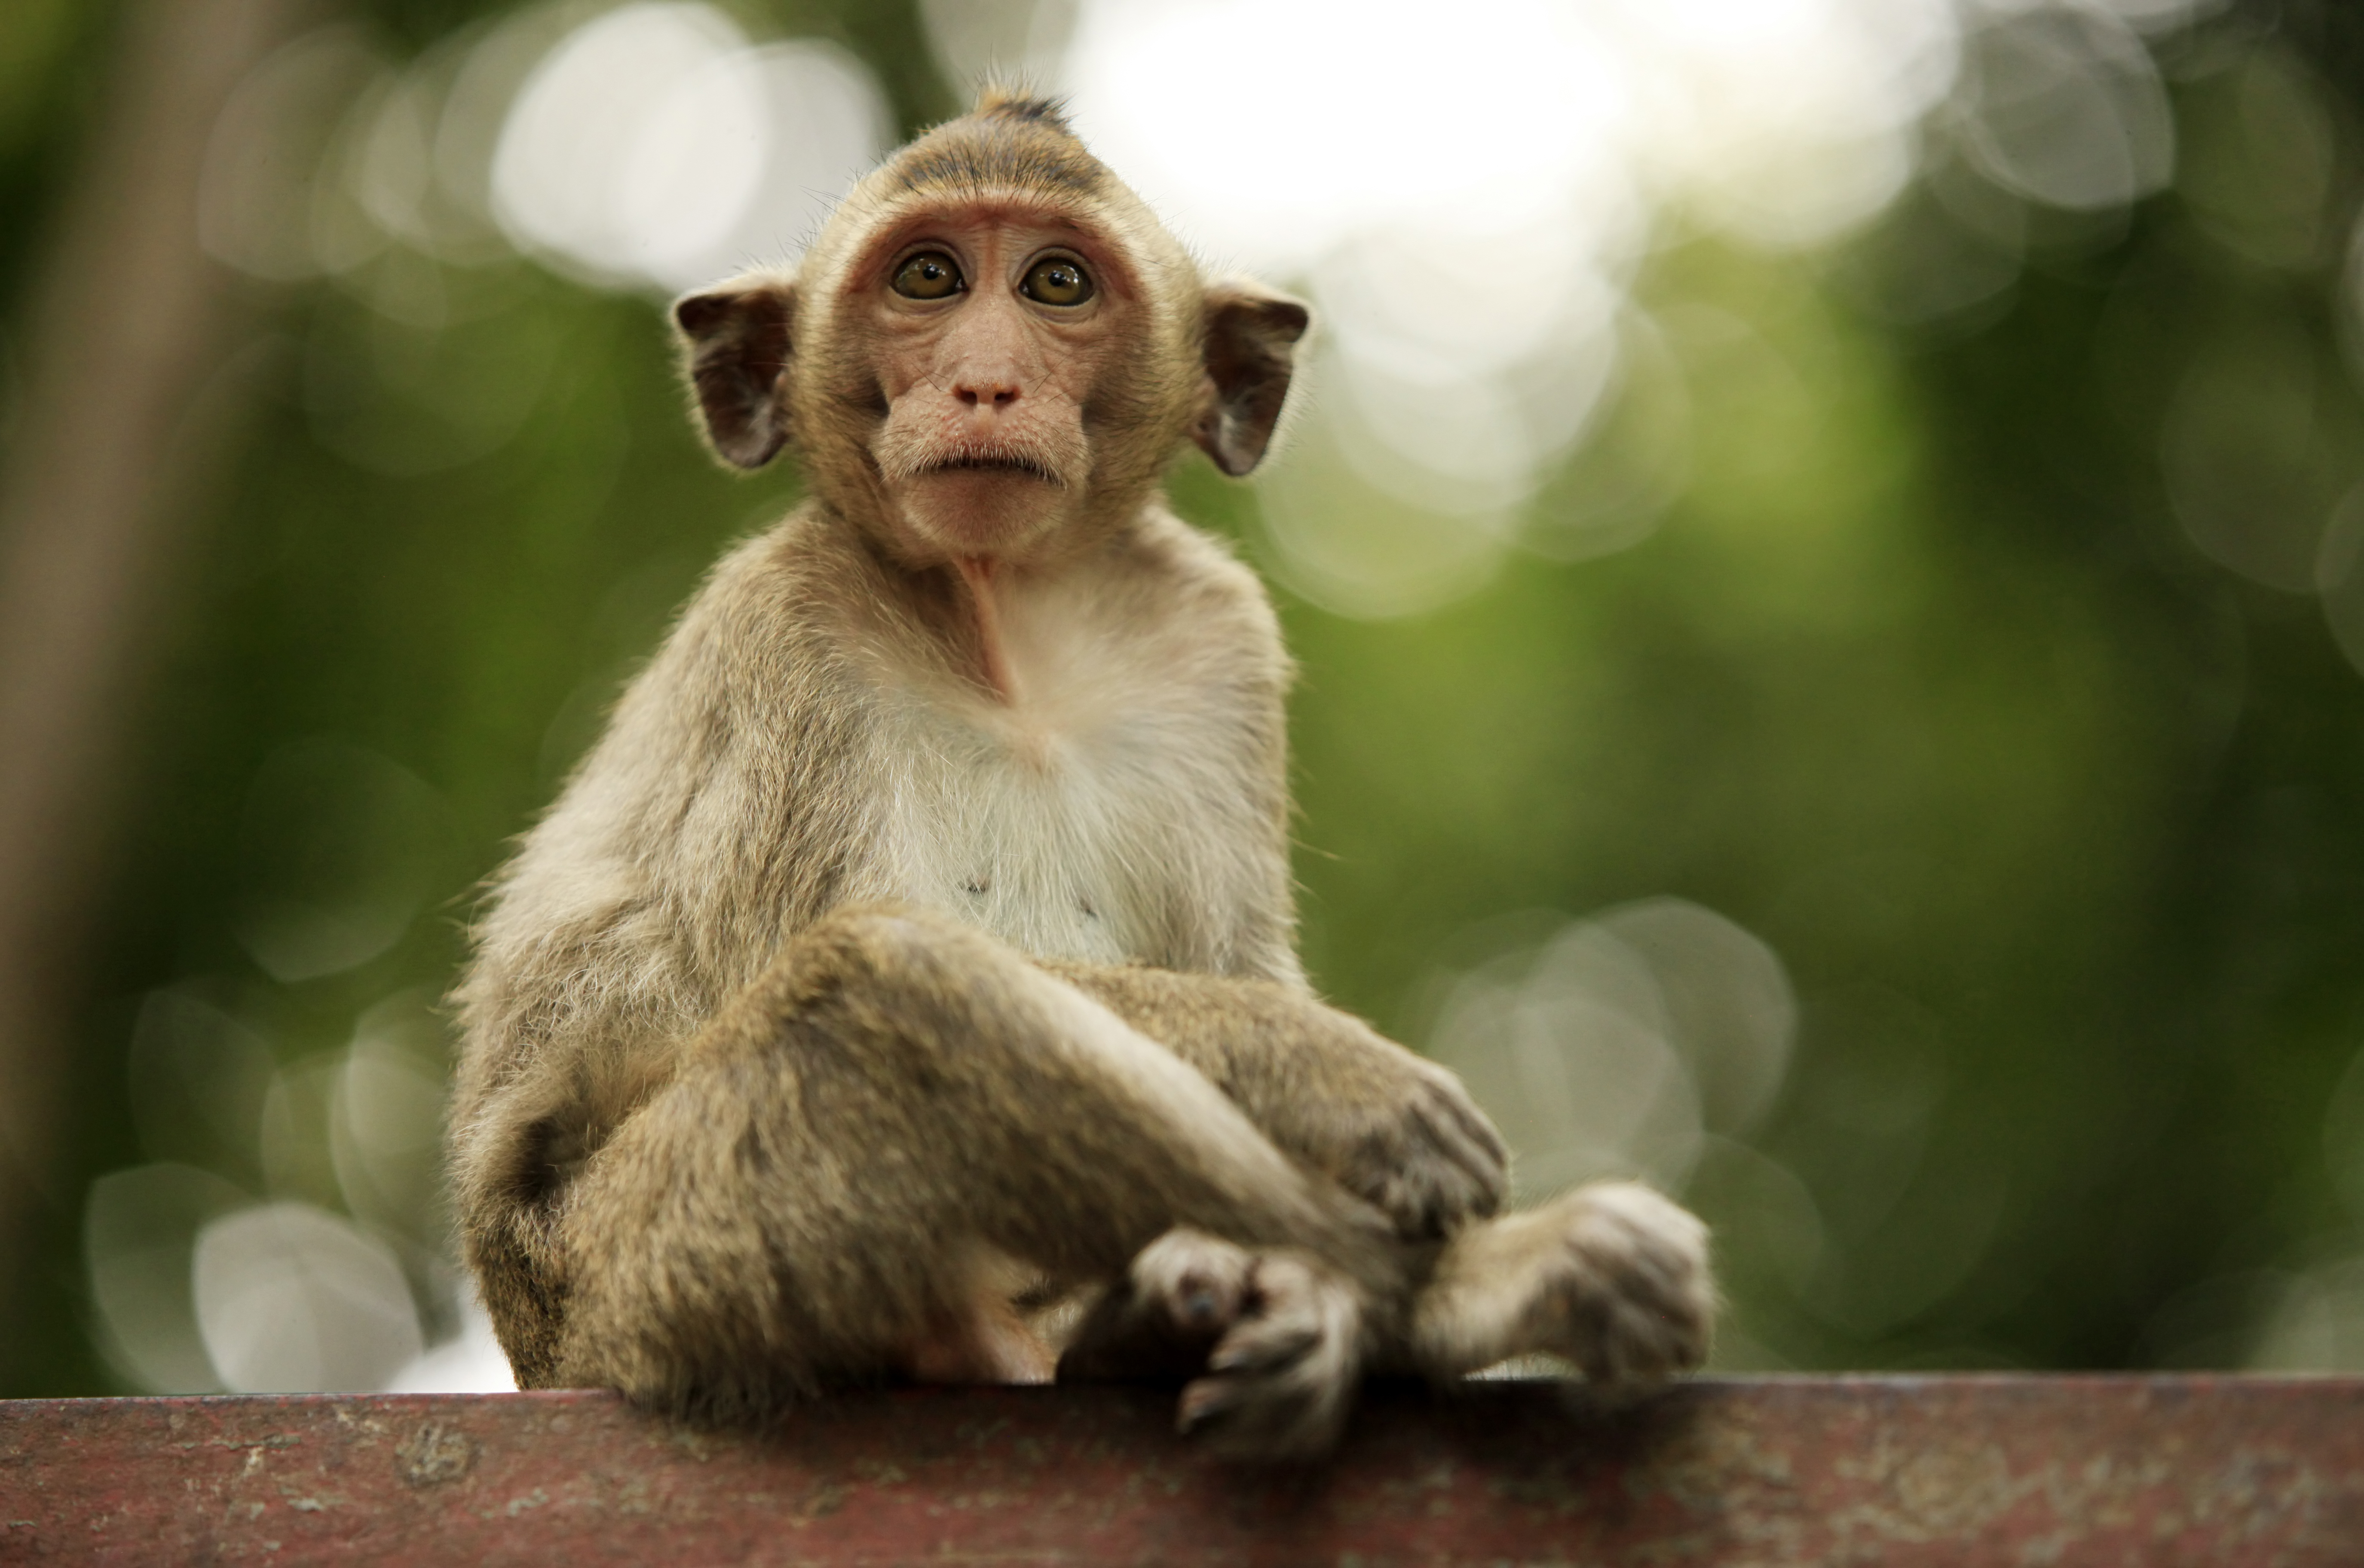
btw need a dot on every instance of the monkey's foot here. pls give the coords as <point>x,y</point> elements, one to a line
<point>1613,1277</point>
<point>1275,1335</point>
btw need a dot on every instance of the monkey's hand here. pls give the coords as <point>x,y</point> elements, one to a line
<point>1397,1132</point>
<point>1612,1276</point>
<point>1274,1340</point>
<point>1394,1129</point>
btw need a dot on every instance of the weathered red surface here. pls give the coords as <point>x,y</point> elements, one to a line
<point>2150,1472</point>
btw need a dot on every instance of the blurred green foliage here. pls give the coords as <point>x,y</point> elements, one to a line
<point>2056,824</point>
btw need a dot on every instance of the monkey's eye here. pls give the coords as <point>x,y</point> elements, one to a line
<point>931,274</point>
<point>1054,280</point>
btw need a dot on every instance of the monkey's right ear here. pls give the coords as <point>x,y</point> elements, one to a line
<point>1252,333</point>
<point>736,337</point>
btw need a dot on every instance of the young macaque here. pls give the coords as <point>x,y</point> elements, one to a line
<point>916,949</point>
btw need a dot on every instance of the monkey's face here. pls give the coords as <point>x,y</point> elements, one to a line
<point>992,336</point>
<point>991,351</point>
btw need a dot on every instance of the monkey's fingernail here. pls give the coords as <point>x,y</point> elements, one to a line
<point>1231,1357</point>
<point>1201,1401</point>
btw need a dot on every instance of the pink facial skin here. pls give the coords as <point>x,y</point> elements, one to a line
<point>985,449</point>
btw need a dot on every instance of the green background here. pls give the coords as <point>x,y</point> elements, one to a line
<point>2056,825</point>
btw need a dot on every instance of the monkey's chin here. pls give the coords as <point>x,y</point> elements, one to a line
<point>1000,513</point>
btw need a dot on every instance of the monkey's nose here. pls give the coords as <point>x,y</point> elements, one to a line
<point>987,392</point>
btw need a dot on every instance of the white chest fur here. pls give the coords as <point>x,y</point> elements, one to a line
<point>1084,817</point>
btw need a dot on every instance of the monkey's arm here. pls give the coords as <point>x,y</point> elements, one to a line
<point>1394,1129</point>
<point>1610,1276</point>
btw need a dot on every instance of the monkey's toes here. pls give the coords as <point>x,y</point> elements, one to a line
<point>1280,1383</point>
<point>1195,1281</point>
<point>1161,1319</point>
<point>1635,1301</point>
<point>1271,1340</point>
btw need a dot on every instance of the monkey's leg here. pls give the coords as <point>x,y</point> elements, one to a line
<point>1613,1277</point>
<point>804,1200</point>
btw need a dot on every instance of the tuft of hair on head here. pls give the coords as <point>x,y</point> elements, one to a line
<point>1013,101</point>
<point>1014,138</point>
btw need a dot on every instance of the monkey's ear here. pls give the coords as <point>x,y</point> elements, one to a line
<point>1252,333</point>
<point>736,341</point>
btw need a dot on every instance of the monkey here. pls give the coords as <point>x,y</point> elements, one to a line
<point>905,986</point>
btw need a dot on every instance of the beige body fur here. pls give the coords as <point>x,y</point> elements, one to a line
<point>921,931</point>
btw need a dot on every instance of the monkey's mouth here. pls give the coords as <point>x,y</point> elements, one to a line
<point>996,464</point>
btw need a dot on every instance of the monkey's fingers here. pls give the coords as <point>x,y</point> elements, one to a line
<point>1475,1133</point>
<point>1281,1382</point>
<point>1434,1166</point>
<point>1469,1139</point>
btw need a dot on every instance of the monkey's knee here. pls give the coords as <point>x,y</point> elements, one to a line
<point>895,940</point>
<point>880,968</point>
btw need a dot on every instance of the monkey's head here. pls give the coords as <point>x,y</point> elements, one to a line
<point>991,349</point>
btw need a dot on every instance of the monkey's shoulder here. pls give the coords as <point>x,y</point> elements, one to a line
<point>1173,606</point>
<point>788,585</point>
<point>1198,572</point>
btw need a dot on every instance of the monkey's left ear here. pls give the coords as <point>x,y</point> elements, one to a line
<point>1252,333</point>
<point>737,337</point>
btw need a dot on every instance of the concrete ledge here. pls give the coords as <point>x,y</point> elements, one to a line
<point>2151,1472</point>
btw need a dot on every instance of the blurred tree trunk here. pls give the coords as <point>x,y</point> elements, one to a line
<point>128,322</point>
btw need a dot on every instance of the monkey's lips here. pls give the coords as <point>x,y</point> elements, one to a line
<point>964,455</point>
<point>995,462</point>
